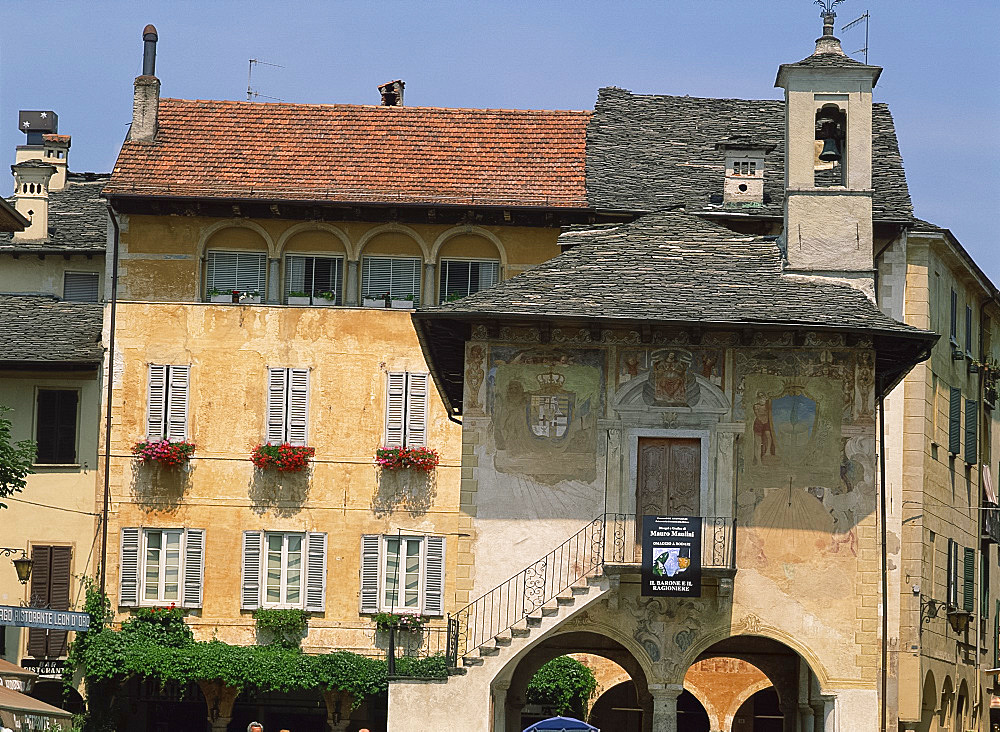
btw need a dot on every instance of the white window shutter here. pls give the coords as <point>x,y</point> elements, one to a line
<point>250,593</point>
<point>277,380</point>
<point>128,579</point>
<point>369,573</point>
<point>316,572</point>
<point>298,406</point>
<point>394,405</point>
<point>416,410</point>
<point>434,576</point>
<point>156,402</point>
<point>177,402</point>
<point>194,567</point>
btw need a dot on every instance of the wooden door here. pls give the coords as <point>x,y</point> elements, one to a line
<point>669,477</point>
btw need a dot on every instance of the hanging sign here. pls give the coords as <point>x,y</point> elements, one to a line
<point>671,556</point>
<point>35,617</point>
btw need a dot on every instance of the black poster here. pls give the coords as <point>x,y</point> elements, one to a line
<point>671,556</point>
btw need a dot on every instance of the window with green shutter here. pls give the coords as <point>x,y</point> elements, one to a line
<point>955,422</point>
<point>969,580</point>
<point>971,426</point>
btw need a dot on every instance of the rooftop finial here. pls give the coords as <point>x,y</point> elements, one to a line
<point>828,15</point>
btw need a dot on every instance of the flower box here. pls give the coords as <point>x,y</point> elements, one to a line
<point>400,621</point>
<point>249,299</point>
<point>284,458</point>
<point>407,458</point>
<point>222,298</point>
<point>402,304</point>
<point>325,302</point>
<point>299,300</point>
<point>370,302</point>
<point>163,452</point>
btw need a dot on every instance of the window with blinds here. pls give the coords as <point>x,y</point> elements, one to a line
<point>80,286</point>
<point>55,426</point>
<point>161,566</point>
<point>460,278</point>
<point>313,275</point>
<point>284,569</point>
<point>402,573</point>
<point>242,271</point>
<point>398,276</point>
<point>287,406</point>
<point>406,409</point>
<point>167,402</point>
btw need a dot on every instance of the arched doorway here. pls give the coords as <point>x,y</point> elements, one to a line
<point>760,713</point>
<point>54,692</point>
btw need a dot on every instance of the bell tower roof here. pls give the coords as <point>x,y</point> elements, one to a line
<point>828,54</point>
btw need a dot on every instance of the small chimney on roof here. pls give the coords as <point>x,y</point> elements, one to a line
<point>44,143</point>
<point>31,197</point>
<point>744,187</point>
<point>392,93</point>
<point>146,99</point>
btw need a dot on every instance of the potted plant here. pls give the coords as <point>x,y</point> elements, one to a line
<point>220,295</point>
<point>284,458</point>
<point>402,303</point>
<point>373,301</point>
<point>248,297</point>
<point>297,297</point>
<point>163,452</point>
<point>407,458</point>
<point>413,622</point>
<point>325,298</point>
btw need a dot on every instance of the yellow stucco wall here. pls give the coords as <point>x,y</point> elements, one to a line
<point>229,348</point>
<point>29,273</point>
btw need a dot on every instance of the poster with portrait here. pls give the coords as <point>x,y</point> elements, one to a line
<point>671,556</point>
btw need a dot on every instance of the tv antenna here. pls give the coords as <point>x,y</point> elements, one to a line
<point>866,17</point>
<point>251,94</point>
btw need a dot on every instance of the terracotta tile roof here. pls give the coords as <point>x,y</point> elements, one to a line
<point>225,149</point>
<point>52,137</point>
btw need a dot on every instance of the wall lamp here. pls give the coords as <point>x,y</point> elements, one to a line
<point>22,565</point>
<point>958,619</point>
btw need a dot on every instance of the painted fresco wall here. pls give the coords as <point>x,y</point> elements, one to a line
<point>787,447</point>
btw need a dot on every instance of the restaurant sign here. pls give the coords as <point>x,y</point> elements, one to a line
<point>671,556</point>
<point>35,617</point>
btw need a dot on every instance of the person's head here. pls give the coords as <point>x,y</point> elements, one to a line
<point>255,727</point>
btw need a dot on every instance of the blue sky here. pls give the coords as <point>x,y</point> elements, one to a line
<point>79,58</point>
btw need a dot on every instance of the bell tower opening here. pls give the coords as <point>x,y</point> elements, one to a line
<point>830,164</point>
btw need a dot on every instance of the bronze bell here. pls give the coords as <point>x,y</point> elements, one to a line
<point>830,152</point>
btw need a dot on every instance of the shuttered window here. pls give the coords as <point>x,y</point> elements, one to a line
<point>460,278</point>
<point>80,286</point>
<point>955,421</point>
<point>313,275</point>
<point>968,331</point>
<point>953,331</point>
<point>284,569</point>
<point>402,573</point>
<point>242,271</point>
<point>969,580</point>
<point>287,406</point>
<point>167,402</point>
<point>397,276</point>
<point>55,426</point>
<point>50,580</point>
<point>971,431</point>
<point>952,579</point>
<point>160,566</point>
<point>406,409</point>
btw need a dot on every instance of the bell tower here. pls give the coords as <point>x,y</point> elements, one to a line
<point>828,162</point>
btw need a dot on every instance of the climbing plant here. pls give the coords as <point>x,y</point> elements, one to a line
<point>565,684</point>
<point>284,626</point>
<point>16,459</point>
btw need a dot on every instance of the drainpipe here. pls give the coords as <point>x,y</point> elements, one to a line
<point>885,569</point>
<point>107,415</point>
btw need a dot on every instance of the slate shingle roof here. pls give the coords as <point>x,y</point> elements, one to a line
<point>675,267</point>
<point>78,219</point>
<point>224,149</point>
<point>41,329</point>
<point>649,152</point>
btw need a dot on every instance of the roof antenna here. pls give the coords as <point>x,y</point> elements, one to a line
<point>251,94</point>
<point>866,17</point>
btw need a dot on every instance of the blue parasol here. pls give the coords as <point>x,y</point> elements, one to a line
<point>561,724</point>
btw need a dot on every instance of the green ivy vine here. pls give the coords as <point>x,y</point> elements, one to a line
<point>285,626</point>
<point>565,684</point>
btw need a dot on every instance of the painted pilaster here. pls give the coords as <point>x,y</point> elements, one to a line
<point>352,283</point>
<point>273,283</point>
<point>427,298</point>
<point>498,693</point>
<point>665,706</point>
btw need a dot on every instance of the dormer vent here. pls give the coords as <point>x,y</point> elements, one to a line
<point>392,93</point>
<point>744,185</point>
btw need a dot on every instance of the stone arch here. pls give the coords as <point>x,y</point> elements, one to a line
<point>305,226</point>
<point>702,697</point>
<point>946,698</point>
<point>741,698</point>
<point>711,399</point>
<point>472,231</point>
<point>928,701</point>
<point>962,705</point>
<point>392,228</point>
<point>209,231</point>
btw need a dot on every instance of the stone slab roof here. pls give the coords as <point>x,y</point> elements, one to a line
<point>10,219</point>
<point>358,154</point>
<point>41,329</point>
<point>78,219</point>
<point>650,152</point>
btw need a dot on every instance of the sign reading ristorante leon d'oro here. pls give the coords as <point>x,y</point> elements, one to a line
<point>35,617</point>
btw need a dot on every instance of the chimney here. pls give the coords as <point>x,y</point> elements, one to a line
<point>31,197</point>
<point>146,100</point>
<point>392,93</point>
<point>744,187</point>
<point>43,143</point>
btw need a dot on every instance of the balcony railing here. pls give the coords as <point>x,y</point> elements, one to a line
<point>991,521</point>
<point>609,539</point>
